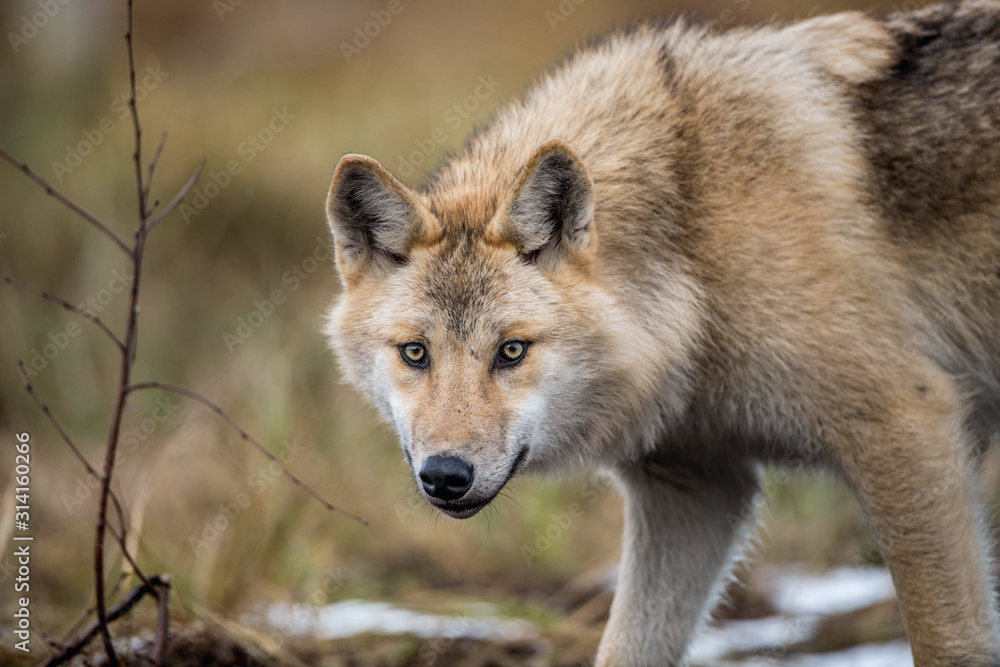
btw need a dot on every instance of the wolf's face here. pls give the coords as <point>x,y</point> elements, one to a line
<point>479,342</point>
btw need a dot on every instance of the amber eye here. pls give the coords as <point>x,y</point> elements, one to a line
<point>414,354</point>
<point>511,353</point>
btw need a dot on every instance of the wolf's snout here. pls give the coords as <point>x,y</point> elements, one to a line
<point>446,477</point>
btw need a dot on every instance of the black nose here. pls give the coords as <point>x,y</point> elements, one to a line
<point>446,477</point>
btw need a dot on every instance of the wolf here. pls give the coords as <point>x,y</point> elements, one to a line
<point>685,253</point>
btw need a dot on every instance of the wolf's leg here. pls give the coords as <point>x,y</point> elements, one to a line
<point>912,474</point>
<point>681,526</point>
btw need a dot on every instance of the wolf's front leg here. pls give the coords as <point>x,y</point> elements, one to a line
<point>682,528</point>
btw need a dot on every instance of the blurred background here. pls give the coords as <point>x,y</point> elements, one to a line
<point>234,291</point>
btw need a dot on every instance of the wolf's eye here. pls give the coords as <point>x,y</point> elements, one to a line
<point>414,354</point>
<point>511,352</point>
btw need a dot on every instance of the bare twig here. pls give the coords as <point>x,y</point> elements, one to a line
<point>109,464</point>
<point>62,432</point>
<point>68,306</point>
<point>46,637</point>
<point>119,536</point>
<point>128,355</point>
<point>154,588</point>
<point>90,610</point>
<point>184,391</point>
<point>181,194</point>
<point>136,127</point>
<point>152,169</point>
<point>52,420</point>
<point>163,620</point>
<point>157,586</point>
<point>65,201</point>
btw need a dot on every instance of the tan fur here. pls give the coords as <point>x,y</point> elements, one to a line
<point>721,249</point>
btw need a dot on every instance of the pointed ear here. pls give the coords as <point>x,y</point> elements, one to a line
<point>549,214</point>
<point>375,219</point>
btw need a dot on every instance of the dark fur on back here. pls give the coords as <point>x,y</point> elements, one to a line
<point>934,123</point>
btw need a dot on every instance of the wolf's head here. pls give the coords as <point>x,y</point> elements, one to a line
<point>483,341</point>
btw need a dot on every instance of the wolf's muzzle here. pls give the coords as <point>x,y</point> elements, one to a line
<point>446,477</point>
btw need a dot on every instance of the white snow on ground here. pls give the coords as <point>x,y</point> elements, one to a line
<point>890,654</point>
<point>354,617</point>
<point>801,599</point>
<point>750,635</point>
<point>837,591</point>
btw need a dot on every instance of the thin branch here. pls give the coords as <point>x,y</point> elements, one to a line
<point>90,469</point>
<point>46,637</point>
<point>178,198</point>
<point>152,169</point>
<point>183,391</point>
<point>116,612</point>
<point>156,586</point>
<point>136,127</point>
<point>162,621</point>
<point>128,355</point>
<point>90,610</point>
<point>65,201</point>
<point>52,419</point>
<point>68,306</point>
<point>120,538</point>
<point>109,463</point>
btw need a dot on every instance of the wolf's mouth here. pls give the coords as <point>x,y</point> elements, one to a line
<point>457,509</point>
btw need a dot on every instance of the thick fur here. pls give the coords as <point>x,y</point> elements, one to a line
<point>770,244</point>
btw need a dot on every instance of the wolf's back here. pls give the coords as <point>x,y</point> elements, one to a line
<point>931,129</point>
<point>933,123</point>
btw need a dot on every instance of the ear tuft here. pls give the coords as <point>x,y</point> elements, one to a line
<point>375,219</point>
<point>549,212</point>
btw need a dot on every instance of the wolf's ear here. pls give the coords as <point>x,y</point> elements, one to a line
<point>375,219</point>
<point>549,214</point>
